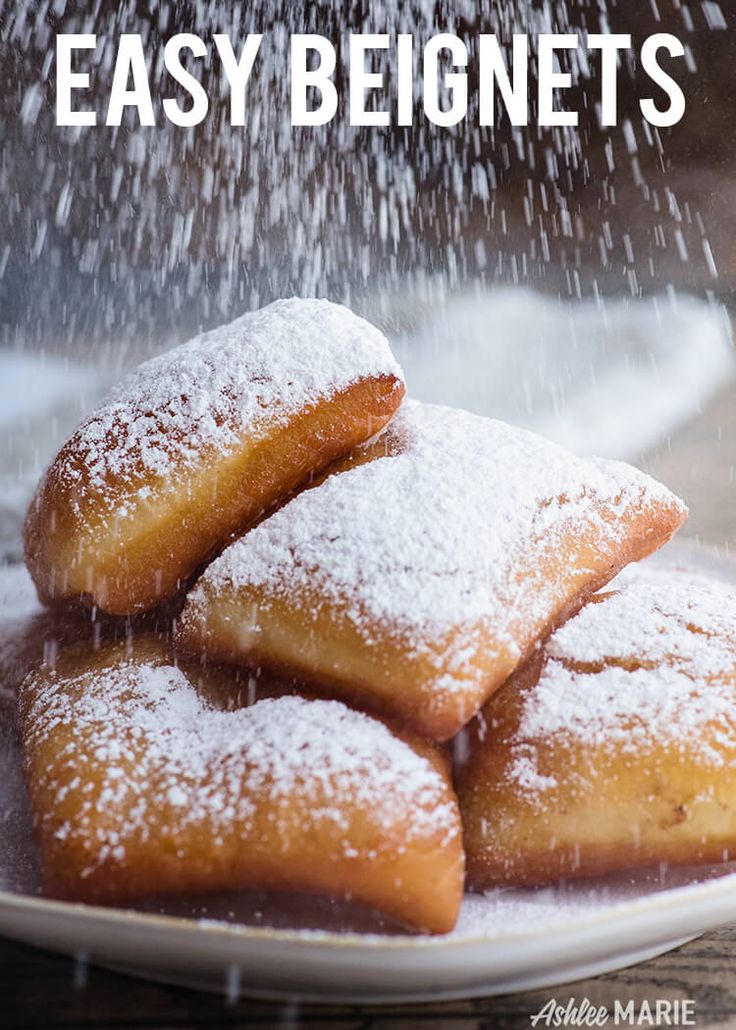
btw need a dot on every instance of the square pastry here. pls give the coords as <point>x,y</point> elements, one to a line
<point>145,783</point>
<point>615,747</point>
<point>196,444</point>
<point>414,579</point>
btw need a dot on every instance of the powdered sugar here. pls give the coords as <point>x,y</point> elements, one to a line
<point>205,394</point>
<point>495,914</point>
<point>651,663</point>
<point>431,537</point>
<point>156,751</point>
<point>652,618</point>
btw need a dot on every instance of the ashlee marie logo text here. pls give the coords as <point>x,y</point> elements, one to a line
<point>585,1013</point>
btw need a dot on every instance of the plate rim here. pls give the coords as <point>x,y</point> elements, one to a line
<point>682,549</point>
<point>617,912</point>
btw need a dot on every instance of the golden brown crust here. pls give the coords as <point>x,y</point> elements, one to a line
<point>77,546</point>
<point>653,808</point>
<point>641,776</point>
<point>432,680</point>
<point>224,813</point>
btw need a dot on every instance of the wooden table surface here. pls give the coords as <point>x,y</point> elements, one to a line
<point>42,990</point>
<point>39,990</point>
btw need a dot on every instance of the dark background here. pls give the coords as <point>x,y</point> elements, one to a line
<point>137,235</point>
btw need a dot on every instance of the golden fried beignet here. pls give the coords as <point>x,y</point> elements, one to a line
<point>615,748</point>
<point>197,443</point>
<point>415,580</point>
<point>140,787</point>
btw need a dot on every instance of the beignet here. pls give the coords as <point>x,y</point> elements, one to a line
<point>615,748</point>
<point>192,448</point>
<point>140,786</point>
<point>416,579</point>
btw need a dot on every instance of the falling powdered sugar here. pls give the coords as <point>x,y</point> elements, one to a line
<point>19,609</point>
<point>205,394</point>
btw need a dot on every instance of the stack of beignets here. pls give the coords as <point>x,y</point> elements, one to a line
<point>415,580</point>
<point>420,569</point>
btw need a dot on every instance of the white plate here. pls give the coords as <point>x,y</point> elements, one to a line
<point>505,941</point>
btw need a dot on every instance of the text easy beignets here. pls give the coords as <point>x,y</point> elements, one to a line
<point>141,787</point>
<point>616,747</point>
<point>414,581</point>
<point>197,443</point>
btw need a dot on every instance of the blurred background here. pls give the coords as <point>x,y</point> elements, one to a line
<point>577,281</point>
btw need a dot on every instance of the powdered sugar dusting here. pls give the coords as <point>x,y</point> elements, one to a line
<point>655,617</point>
<point>431,536</point>
<point>205,394</point>
<point>651,663</point>
<point>162,755</point>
